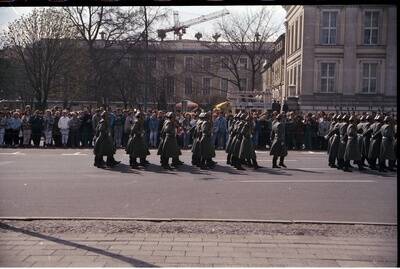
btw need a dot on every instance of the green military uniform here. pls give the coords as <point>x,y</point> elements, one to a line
<point>169,145</point>
<point>237,141</point>
<point>207,149</point>
<point>231,131</point>
<point>196,154</point>
<point>366,137</point>
<point>375,142</point>
<point>136,146</point>
<point>333,142</point>
<point>342,141</point>
<point>278,147</point>
<point>247,151</point>
<point>387,145</point>
<point>352,150</point>
<point>103,145</point>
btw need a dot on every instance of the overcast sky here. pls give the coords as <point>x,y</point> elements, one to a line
<point>8,14</point>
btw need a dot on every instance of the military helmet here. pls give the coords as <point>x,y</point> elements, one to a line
<point>139,114</point>
<point>380,117</point>
<point>169,115</point>
<point>362,118</point>
<point>368,117</point>
<point>387,119</point>
<point>352,118</point>
<point>103,114</point>
<point>345,117</point>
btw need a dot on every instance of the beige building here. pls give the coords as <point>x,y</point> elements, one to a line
<point>341,57</point>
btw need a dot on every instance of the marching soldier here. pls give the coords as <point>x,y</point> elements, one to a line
<point>352,151</point>
<point>278,147</point>
<point>168,147</point>
<point>247,151</point>
<point>196,154</point>
<point>375,142</point>
<point>136,146</point>
<point>365,140</point>
<point>333,140</point>
<point>342,140</point>
<point>104,144</point>
<point>237,141</point>
<point>229,143</point>
<point>387,147</point>
<point>207,149</point>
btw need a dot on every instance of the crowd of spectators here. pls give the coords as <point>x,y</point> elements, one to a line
<point>59,127</point>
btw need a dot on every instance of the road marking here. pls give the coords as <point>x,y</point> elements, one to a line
<point>313,152</point>
<point>74,154</point>
<point>307,181</point>
<point>12,153</point>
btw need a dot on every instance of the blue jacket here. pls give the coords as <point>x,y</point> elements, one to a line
<point>13,123</point>
<point>154,124</point>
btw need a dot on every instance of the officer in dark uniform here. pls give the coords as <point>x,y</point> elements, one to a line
<point>196,135</point>
<point>375,142</point>
<point>207,149</point>
<point>278,147</point>
<point>342,140</point>
<point>352,150</point>
<point>237,141</point>
<point>387,145</point>
<point>136,146</point>
<point>229,143</point>
<point>104,144</point>
<point>247,152</point>
<point>168,147</point>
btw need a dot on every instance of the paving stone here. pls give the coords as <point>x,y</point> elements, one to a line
<point>124,247</point>
<point>136,252</point>
<point>355,263</point>
<point>233,254</point>
<point>201,254</point>
<point>251,261</point>
<point>15,264</point>
<point>216,260</point>
<point>182,260</point>
<point>41,252</point>
<point>188,248</point>
<point>321,263</point>
<point>177,243</point>
<point>20,243</point>
<point>202,244</point>
<point>87,264</point>
<point>117,264</point>
<point>68,252</point>
<point>222,249</point>
<point>50,264</point>
<point>285,262</point>
<point>75,258</point>
<point>194,239</point>
<point>169,253</point>
<point>155,247</point>
<point>36,258</point>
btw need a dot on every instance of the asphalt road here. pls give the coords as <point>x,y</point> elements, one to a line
<point>64,183</point>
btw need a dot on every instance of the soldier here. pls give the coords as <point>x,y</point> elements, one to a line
<point>136,146</point>
<point>333,140</point>
<point>387,146</point>
<point>196,154</point>
<point>237,140</point>
<point>278,147</point>
<point>365,140</point>
<point>229,143</point>
<point>342,141</point>
<point>168,147</point>
<point>352,150</point>
<point>247,152</point>
<point>207,149</point>
<point>104,144</point>
<point>375,142</point>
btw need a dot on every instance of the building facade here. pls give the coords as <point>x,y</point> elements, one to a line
<point>341,58</point>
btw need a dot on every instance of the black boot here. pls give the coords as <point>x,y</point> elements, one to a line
<point>111,162</point>
<point>382,167</point>
<point>346,166</point>
<point>281,159</point>
<point>210,163</point>
<point>134,164</point>
<point>228,159</point>
<point>176,162</point>
<point>392,165</point>
<point>255,164</point>
<point>203,165</point>
<point>236,163</point>
<point>274,160</point>
<point>144,162</point>
<point>195,161</point>
<point>164,163</point>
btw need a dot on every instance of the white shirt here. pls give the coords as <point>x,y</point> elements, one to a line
<point>63,122</point>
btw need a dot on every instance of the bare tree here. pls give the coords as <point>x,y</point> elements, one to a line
<point>41,42</point>
<point>245,41</point>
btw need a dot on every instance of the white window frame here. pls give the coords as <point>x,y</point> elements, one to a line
<point>369,78</point>
<point>328,77</point>
<point>370,27</point>
<point>329,28</point>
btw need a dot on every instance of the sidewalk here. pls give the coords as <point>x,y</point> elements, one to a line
<point>21,247</point>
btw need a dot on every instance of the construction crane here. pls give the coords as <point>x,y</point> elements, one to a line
<point>179,28</point>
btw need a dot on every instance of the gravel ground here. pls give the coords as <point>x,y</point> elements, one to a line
<point>192,227</point>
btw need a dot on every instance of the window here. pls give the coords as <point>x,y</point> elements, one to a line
<point>298,79</point>
<point>224,62</point>
<point>171,62</point>
<point>301,31</point>
<point>327,77</point>
<point>371,27</point>
<point>243,84</point>
<point>152,62</point>
<point>188,86</point>
<point>188,63</point>
<point>224,86</point>
<point>328,29</point>
<point>288,40</point>
<point>206,63</point>
<point>369,77</point>
<point>206,86</point>
<point>295,35</point>
<point>243,63</point>
<point>170,85</point>
<point>292,39</point>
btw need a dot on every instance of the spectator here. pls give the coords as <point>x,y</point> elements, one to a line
<point>221,130</point>
<point>56,130</point>
<point>86,128</point>
<point>118,128</point>
<point>323,129</point>
<point>48,123</point>
<point>154,123</point>
<point>26,128</point>
<point>3,123</point>
<point>14,125</point>
<point>74,125</point>
<point>36,122</point>
<point>186,130</point>
<point>63,124</point>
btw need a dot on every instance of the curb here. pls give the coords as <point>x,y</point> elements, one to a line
<point>202,220</point>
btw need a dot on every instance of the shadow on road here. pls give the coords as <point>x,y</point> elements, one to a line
<point>377,173</point>
<point>131,261</point>
<point>124,168</point>
<point>303,170</point>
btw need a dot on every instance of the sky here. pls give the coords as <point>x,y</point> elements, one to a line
<point>8,14</point>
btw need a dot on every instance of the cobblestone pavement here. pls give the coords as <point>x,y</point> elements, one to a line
<point>24,247</point>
